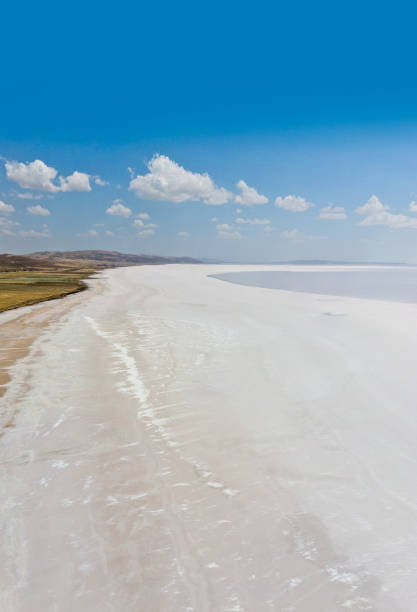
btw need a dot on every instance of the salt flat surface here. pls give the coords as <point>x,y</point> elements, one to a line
<point>185,444</point>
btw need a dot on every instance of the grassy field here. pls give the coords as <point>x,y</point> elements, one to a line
<point>24,288</point>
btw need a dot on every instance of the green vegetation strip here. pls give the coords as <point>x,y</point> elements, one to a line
<point>25,288</point>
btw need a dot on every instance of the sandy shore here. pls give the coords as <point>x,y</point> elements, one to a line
<point>179,443</point>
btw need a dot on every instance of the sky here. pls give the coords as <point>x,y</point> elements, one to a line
<point>228,131</point>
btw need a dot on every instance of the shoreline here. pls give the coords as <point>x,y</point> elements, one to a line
<point>18,333</point>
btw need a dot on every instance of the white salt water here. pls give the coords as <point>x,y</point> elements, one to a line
<point>397,284</point>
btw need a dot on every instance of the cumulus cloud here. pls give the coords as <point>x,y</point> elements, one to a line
<point>32,175</point>
<point>6,209</point>
<point>146,233</point>
<point>293,203</point>
<point>183,234</point>
<point>143,226</point>
<point>170,182</point>
<point>117,209</point>
<point>298,236</point>
<point>31,233</point>
<point>29,196</point>
<point>293,234</point>
<point>228,232</point>
<point>377,214</point>
<point>37,175</point>
<point>7,222</point>
<point>372,206</point>
<point>38,210</point>
<point>99,181</point>
<point>412,207</point>
<point>248,195</point>
<point>6,226</point>
<point>91,233</point>
<point>254,221</point>
<point>233,235</point>
<point>390,220</point>
<point>144,216</point>
<point>77,181</point>
<point>109,233</point>
<point>333,212</point>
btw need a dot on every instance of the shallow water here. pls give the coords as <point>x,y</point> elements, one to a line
<point>398,284</point>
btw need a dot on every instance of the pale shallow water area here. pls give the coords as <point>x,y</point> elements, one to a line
<point>397,284</point>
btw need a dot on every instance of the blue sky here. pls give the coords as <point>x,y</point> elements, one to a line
<point>313,105</point>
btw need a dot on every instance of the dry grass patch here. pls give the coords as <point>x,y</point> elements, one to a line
<point>25,288</point>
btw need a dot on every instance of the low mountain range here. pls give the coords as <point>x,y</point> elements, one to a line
<point>86,259</point>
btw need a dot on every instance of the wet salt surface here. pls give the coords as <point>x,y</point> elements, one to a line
<point>197,452</point>
<point>397,284</point>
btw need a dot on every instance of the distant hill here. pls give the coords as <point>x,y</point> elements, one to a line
<point>12,263</point>
<point>106,259</point>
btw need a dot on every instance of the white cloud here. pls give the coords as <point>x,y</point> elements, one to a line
<point>109,233</point>
<point>254,221</point>
<point>390,220</point>
<point>99,181</point>
<point>146,233</point>
<point>77,181</point>
<point>6,209</point>
<point>183,234</point>
<point>214,219</point>
<point>144,216</point>
<point>228,232</point>
<point>119,210</point>
<point>248,195</point>
<point>37,175</point>
<point>168,181</point>
<point>6,225</point>
<point>32,175</point>
<point>412,206</point>
<point>38,210</point>
<point>372,206</point>
<point>238,211</point>
<point>293,234</point>
<point>44,233</point>
<point>297,236</point>
<point>140,223</point>
<point>333,212</point>
<point>377,214</point>
<point>29,196</point>
<point>229,235</point>
<point>293,203</point>
<point>7,222</point>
